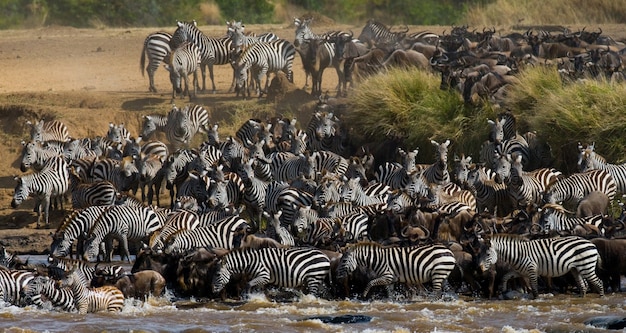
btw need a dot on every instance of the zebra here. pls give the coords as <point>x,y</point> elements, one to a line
<point>99,193</point>
<point>254,192</point>
<point>106,298</point>
<point>213,51</point>
<point>51,130</point>
<point>396,175</point>
<point>178,220</point>
<point>437,173</point>
<point>124,223</point>
<point>261,59</point>
<point>226,234</point>
<point>151,124</point>
<point>59,267</point>
<point>44,286</point>
<point>12,284</point>
<point>555,218</point>
<point>490,195</point>
<point>149,168</point>
<point>156,47</point>
<point>123,174</point>
<point>525,187</point>
<point>292,168</point>
<point>573,188</point>
<point>119,134</point>
<point>74,227</point>
<point>376,33</point>
<point>35,156</point>
<point>330,162</point>
<point>590,160</point>
<point>278,232</point>
<point>282,197</point>
<point>352,191</point>
<point>283,267</point>
<point>414,265</point>
<point>549,257</point>
<point>324,132</point>
<point>185,60</point>
<point>52,181</point>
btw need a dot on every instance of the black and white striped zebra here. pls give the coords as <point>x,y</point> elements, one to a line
<point>106,298</point>
<point>74,228</point>
<point>227,192</point>
<point>155,47</point>
<point>328,162</point>
<point>44,287</point>
<point>52,181</point>
<point>151,124</point>
<point>548,257</point>
<point>35,155</point>
<point>261,59</point>
<point>555,218</point>
<point>185,60</point>
<point>117,133</point>
<point>490,195</point>
<point>573,188</point>
<point>322,132</point>
<point>282,267</point>
<point>241,41</point>
<point>437,173</point>
<point>590,160</point>
<point>177,220</point>
<point>123,174</point>
<point>352,191</point>
<point>277,231</point>
<point>413,266</point>
<point>525,187</point>
<point>124,223</point>
<point>294,167</point>
<point>225,234</point>
<point>12,284</point>
<point>59,267</point>
<point>48,130</point>
<point>396,175</point>
<point>213,51</point>
<point>375,33</point>
<point>100,193</point>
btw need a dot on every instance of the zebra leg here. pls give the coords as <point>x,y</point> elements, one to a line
<point>313,285</point>
<point>45,204</point>
<point>203,70</point>
<point>151,78</point>
<point>211,77</point>
<point>385,280</point>
<point>124,249</point>
<point>595,281</point>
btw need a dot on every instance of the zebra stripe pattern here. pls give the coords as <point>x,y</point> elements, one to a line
<point>411,265</point>
<point>51,130</point>
<point>184,60</point>
<point>12,284</point>
<point>155,47</point>
<point>590,160</point>
<point>52,181</point>
<point>78,223</point>
<point>575,187</point>
<point>549,257</point>
<point>125,223</point>
<point>226,234</point>
<point>61,298</point>
<point>262,59</point>
<point>107,298</point>
<point>282,267</point>
<point>213,51</point>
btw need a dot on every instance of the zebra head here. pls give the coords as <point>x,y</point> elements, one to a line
<point>222,277</point>
<point>303,219</point>
<point>92,248</point>
<point>303,31</point>
<point>148,127</point>
<point>29,155</point>
<point>22,191</point>
<point>117,133</point>
<point>350,188</point>
<point>36,130</point>
<point>61,245</point>
<point>347,265</point>
<point>487,257</point>
<point>503,167</point>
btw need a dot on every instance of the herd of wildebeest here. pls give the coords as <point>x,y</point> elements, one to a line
<point>300,209</point>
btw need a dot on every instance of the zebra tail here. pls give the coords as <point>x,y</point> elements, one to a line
<point>142,61</point>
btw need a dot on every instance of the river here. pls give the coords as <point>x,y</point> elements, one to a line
<point>547,313</point>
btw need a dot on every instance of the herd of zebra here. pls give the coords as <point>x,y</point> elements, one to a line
<point>299,208</point>
<point>477,64</point>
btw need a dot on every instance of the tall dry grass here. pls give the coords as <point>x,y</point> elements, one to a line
<point>410,104</point>
<point>541,12</point>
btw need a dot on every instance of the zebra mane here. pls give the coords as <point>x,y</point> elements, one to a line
<point>510,237</point>
<point>67,221</point>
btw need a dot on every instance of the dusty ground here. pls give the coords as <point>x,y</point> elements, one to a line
<point>88,78</point>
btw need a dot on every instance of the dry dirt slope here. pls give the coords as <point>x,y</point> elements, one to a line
<point>88,78</point>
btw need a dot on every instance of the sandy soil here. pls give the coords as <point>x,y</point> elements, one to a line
<point>88,78</point>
